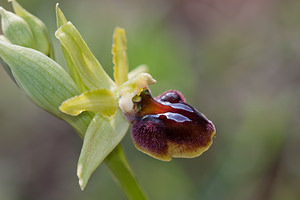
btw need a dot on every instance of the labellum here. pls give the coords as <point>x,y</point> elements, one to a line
<point>166,126</point>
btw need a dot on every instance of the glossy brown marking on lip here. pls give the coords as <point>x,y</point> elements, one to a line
<point>168,127</point>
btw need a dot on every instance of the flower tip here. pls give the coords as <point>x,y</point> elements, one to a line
<point>67,109</point>
<point>79,175</point>
<point>81,184</point>
<point>119,29</point>
<point>57,9</point>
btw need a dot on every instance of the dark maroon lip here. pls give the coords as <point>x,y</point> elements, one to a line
<point>168,125</point>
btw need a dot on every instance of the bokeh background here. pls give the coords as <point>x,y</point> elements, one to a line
<point>238,62</point>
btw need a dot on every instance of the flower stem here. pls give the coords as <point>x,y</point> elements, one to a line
<point>118,165</point>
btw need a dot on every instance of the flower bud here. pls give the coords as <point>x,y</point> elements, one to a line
<point>16,29</point>
<point>37,27</point>
<point>167,127</point>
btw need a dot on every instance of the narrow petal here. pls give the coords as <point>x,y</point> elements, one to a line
<point>120,59</point>
<point>102,136</point>
<point>90,70</point>
<point>60,17</point>
<point>61,20</point>
<point>44,81</point>
<point>99,100</point>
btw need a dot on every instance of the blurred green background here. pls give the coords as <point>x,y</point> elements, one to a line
<point>238,62</point>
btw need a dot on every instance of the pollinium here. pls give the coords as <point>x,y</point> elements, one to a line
<point>166,126</point>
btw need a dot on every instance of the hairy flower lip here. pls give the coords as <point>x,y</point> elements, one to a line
<point>166,127</point>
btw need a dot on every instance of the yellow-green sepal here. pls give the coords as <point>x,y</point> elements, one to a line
<point>61,20</point>
<point>60,17</point>
<point>102,136</point>
<point>120,59</point>
<point>98,100</point>
<point>37,28</point>
<point>90,70</point>
<point>16,29</point>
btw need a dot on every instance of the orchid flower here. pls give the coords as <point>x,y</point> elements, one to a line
<point>98,108</point>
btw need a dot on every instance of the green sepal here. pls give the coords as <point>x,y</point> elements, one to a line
<point>60,17</point>
<point>90,70</point>
<point>16,29</point>
<point>61,20</point>
<point>37,28</point>
<point>120,59</point>
<point>98,100</point>
<point>44,81</point>
<point>102,136</point>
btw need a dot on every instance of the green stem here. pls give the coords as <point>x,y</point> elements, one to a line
<point>118,165</point>
<point>120,169</point>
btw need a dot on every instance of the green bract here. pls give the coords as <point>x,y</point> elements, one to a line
<point>43,80</point>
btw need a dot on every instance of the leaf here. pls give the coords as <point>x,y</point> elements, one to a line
<point>88,67</point>
<point>44,81</point>
<point>120,59</point>
<point>102,136</point>
<point>37,27</point>
<point>99,100</point>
